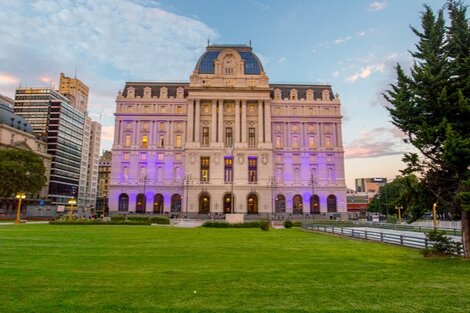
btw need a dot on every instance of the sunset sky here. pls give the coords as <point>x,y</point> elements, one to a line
<point>352,45</point>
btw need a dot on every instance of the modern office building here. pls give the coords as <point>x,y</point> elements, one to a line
<point>59,124</point>
<point>228,141</point>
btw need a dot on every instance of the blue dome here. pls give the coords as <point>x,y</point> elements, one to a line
<point>205,64</point>
<point>8,117</point>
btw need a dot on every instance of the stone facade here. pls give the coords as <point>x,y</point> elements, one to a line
<point>186,148</point>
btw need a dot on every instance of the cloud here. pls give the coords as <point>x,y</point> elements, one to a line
<point>342,40</point>
<point>8,79</point>
<point>377,6</point>
<point>261,6</point>
<point>281,60</point>
<point>377,142</point>
<point>366,72</point>
<point>108,42</point>
<point>335,74</point>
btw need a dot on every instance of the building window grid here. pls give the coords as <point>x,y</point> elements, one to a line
<point>251,137</point>
<point>252,170</point>
<point>228,169</point>
<point>228,136</point>
<point>205,168</point>
<point>205,136</point>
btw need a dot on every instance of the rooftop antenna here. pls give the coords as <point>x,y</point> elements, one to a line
<point>208,41</point>
<point>250,42</point>
<point>76,72</point>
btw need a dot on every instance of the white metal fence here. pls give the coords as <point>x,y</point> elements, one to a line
<point>387,237</point>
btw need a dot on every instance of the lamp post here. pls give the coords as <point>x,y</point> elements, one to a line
<point>272,183</point>
<point>312,184</point>
<point>188,180</point>
<point>20,196</point>
<point>71,202</point>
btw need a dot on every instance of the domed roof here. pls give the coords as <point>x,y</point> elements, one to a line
<point>205,64</point>
<point>8,117</point>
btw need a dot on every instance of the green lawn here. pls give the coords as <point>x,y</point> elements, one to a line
<point>51,268</point>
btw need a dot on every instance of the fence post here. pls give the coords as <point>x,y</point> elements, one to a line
<point>419,228</point>
<point>324,229</point>
<point>353,232</point>
<point>401,239</point>
<point>341,230</point>
<point>333,230</point>
<point>425,243</point>
<point>365,234</point>
<point>382,237</point>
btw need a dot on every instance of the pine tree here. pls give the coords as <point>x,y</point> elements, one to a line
<point>432,107</point>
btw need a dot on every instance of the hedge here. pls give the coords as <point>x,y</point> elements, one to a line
<point>97,222</point>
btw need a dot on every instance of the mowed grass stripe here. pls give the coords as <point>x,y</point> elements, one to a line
<point>53,268</point>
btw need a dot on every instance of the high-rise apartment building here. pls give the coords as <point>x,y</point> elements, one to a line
<point>370,185</point>
<point>228,142</point>
<point>60,125</point>
<point>75,90</point>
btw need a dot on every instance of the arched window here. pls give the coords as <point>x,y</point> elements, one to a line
<point>140,203</point>
<point>123,202</point>
<point>252,203</point>
<point>143,173</point>
<point>228,203</point>
<point>158,204</point>
<point>331,203</point>
<point>280,204</point>
<point>176,203</point>
<point>204,203</point>
<point>297,204</point>
<point>314,204</point>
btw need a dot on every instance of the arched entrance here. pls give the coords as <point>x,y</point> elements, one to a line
<point>228,203</point>
<point>140,203</point>
<point>158,203</point>
<point>123,202</point>
<point>252,203</point>
<point>175,203</point>
<point>315,204</point>
<point>280,204</point>
<point>297,204</point>
<point>331,203</point>
<point>204,203</point>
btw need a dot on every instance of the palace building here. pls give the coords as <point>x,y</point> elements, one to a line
<point>227,141</point>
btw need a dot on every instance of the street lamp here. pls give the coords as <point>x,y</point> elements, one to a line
<point>71,202</point>
<point>272,183</point>
<point>19,196</point>
<point>187,180</point>
<point>312,183</point>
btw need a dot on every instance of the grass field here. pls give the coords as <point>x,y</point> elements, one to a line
<point>49,268</point>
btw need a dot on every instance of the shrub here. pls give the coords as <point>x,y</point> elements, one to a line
<point>297,224</point>
<point>288,224</point>
<point>160,220</point>
<point>138,218</point>
<point>441,244</point>
<point>118,218</point>
<point>392,219</point>
<point>264,225</point>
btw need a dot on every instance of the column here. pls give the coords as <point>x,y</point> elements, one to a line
<point>221,121</point>
<point>214,122</point>
<point>170,133</point>
<point>190,121</point>
<point>320,134</point>
<point>237,121</point>
<point>302,135</point>
<point>286,134</point>
<point>197,120</point>
<point>244,121</point>
<point>135,141</point>
<point>260,122</point>
<point>117,133</point>
<point>267,121</point>
<point>339,135</point>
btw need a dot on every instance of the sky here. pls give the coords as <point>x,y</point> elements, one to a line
<point>352,45</point>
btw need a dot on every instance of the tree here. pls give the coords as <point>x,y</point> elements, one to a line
<point>20,171</point>
<point>431,106</point>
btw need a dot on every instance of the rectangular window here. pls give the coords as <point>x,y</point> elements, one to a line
<point>179,109</point>
<point>129,109</point>
<point>205,136</point>
<point>126,156</point>
<point>205,166</point>
<point>252,170</point>
<point>143,156</point>
<point>251,137</point>
<point>163,109</point>
<point>128,125</point>
<point>328,141</point>
<point>161,141</point>
<point>228,169</point>
<point>295,142</point>
<point>178,141</point>
<point>278,142</point>
<point>160,157</point>
<point>228,137</point>
<point>146,109</point>
<point>145,126</point>
<point>311,142</point>
<point>127,141</point>
<point>144,141</point>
